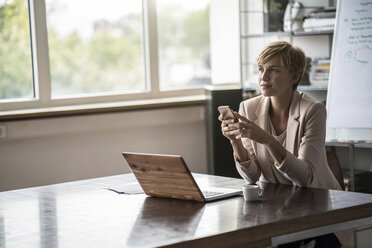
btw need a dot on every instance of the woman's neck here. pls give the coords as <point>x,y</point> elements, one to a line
<point>279,107</point>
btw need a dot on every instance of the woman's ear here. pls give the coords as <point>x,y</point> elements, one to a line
<point>295,77</point>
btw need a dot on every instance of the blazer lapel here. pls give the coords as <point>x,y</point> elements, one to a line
<point>293,123</point>
<point>262,113</point>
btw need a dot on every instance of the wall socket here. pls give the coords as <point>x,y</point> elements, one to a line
<point>2,131</point>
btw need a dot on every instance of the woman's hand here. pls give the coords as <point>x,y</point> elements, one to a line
<point>224,126</point>
<point>240,153</point>
<point>246,129</point>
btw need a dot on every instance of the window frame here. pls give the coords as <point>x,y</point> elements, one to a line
<point>41,67</point>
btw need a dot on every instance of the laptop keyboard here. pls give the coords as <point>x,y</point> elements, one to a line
<point>211,193</point>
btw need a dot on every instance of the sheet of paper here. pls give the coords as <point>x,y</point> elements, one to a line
<point>126,189</point>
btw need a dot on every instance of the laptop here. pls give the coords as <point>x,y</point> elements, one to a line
<point>168,176</point>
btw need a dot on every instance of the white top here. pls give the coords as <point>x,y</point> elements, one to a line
<point>279,176</point>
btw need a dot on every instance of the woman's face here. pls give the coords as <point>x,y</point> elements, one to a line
<point>275,78</point>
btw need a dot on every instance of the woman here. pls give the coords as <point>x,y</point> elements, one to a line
<point>280,135</point>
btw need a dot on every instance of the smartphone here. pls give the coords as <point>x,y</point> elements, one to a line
<point>227,112</point>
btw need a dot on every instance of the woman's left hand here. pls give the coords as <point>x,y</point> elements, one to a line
<point>247,129</point>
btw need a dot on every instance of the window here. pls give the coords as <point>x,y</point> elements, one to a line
<point>98,50</point>
<point>65,52</point>
<point>16,80</point>
<point>183,34</point>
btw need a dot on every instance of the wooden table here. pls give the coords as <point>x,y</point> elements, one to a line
<point>87,214</point>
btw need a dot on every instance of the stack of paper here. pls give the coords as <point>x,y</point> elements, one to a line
<point>320,20</point>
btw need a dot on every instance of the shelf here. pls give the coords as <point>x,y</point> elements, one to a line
<point>312,87</point>
<point>348,144</point>
<point>315,41</point>
<point>300,88</point>
<point>265,34</point>
<point>319,32</point>
<point>363,145</point>
<point>293,33</point>
<point>338,144</point>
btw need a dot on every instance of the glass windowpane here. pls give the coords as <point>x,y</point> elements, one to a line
<point>183,41</point>
<point>16,80</point>
<point>95,47</point>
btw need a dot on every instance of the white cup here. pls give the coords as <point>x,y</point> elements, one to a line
<point>251,192</point>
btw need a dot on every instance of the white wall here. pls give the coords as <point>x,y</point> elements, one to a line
<point>53,150</point>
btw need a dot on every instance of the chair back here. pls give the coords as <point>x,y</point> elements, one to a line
<point>334,165</point>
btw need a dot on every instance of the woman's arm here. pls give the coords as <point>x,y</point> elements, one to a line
<point>246,163</point>
<point>303,168</point>
<point>249,129</point>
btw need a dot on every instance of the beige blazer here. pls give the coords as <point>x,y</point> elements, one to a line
<point>305,163</point>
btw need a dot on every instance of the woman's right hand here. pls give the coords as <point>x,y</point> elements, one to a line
<point>240,153</point>
<point>225,127</point>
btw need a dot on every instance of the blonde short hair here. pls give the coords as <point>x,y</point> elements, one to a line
<point>291,57</point>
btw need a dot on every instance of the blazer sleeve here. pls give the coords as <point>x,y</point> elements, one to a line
<point>249,170</point>
<point>304,170</point>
